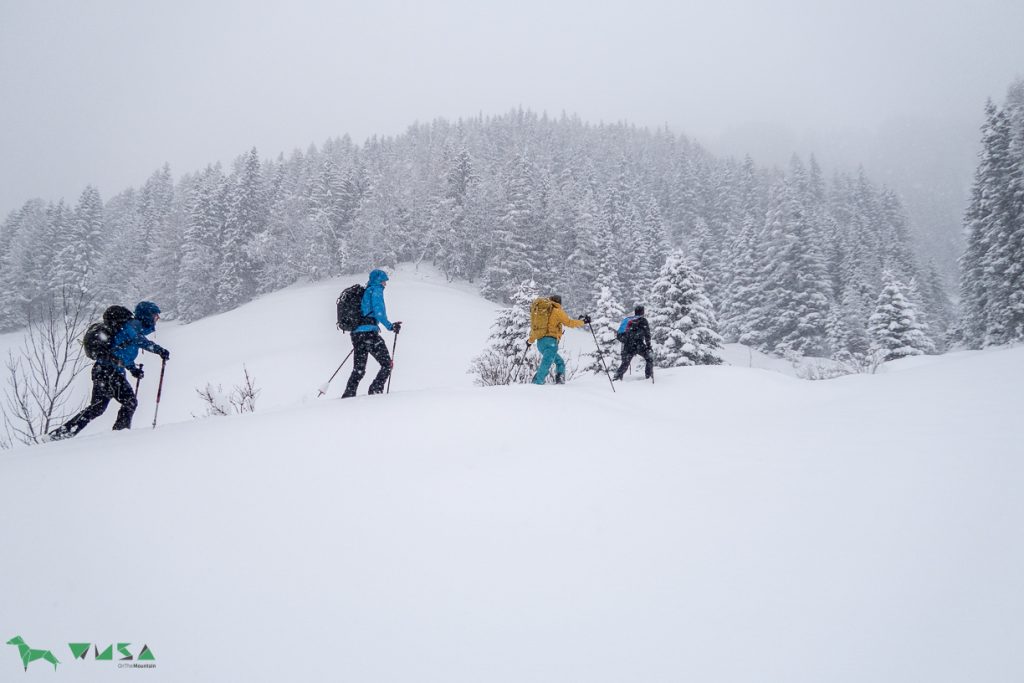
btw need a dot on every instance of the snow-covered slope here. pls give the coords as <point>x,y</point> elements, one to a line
<point>725,524</point>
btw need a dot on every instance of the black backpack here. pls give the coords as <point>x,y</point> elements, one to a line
<point>350,309</point>
<point>99,337</point>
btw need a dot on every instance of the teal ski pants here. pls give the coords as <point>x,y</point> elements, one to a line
<point>548,347</point>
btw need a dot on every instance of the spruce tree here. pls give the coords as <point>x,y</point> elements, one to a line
<point>991,264</point>
<point>649,249</point>
<point>453,229</point>
<point>605,322</point>
<point>244,223</point>
<point>123,252</point>
<point>82,245</point>
<point>161,235</point>
<point>515,236</point>
<point>742,291</point>
<point>1006,261</point>
<point>199,264</point>
<point>797,287</point>
<point>28,260</point>
<point>326,253</point>
<point>896,328</point>
<point>848,331</point>
<point>683,326</point>
<point>590,258</point>
<point>282,249</point>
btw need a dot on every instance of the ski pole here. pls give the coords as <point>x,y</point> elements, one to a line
<point>522,363</point>
<point>394,344</point>
<point>327,385</point>
<point>601,356</point>
<point>159,389</point>
<point>515,366</point>
<point>138,379</point>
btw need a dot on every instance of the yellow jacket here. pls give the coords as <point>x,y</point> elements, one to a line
<point>557,318</point>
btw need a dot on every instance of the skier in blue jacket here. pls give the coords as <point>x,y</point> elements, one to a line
<point>108,380</point>
<point>132,337</point>
<point>366,339</point>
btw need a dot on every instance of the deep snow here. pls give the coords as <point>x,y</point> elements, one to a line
<point>725,524</point>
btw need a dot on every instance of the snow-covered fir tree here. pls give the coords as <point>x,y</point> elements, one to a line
<point>452,222</point>
<point>116,273</point>
<point>992,266</point>
<point>504,360</point>
<point>28,246</point>
<point>199,264</point>
<point>244,223</point>
<point>848,332</point>
<point>281,248</point>
<point>516,234</point>
<point>742,291</point>
<point>648,252</point>
<point>589,253</point>
<point>326,253</point>
<point>605,319</point>
<point>683,326</point>
<point>796,285</point>
<point>895,327</point>
<point>81,251</point>
<point>161,233</point>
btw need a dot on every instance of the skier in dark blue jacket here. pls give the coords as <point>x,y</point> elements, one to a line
<point>366,339</point>
<point>108,380</point>
<point>635,334</point>
<point>133,336</point>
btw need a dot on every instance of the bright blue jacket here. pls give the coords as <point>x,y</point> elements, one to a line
<point>132,336</point>
<point>373,302</point>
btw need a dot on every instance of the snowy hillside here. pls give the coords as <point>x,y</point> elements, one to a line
<point>726,524</point>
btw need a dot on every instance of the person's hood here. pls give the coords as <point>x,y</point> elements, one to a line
<point>145,312</point>
<point>377,277</point>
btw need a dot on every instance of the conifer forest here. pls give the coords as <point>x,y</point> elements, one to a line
<point>785,260</point>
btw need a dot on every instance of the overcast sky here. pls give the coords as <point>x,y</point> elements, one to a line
<point>105,92</point>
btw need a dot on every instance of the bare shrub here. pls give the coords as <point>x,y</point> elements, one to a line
<point>41,374</point>
<point>241,398</point>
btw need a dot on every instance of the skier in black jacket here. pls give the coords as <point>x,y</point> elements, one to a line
<point>635,335</point>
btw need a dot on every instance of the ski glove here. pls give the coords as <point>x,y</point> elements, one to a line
<point>396,327</point>
<point>162,352</point>
<point>136,372</point>
<point>586,319</point>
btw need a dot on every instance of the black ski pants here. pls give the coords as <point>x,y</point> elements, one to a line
<point>368,344</point>
<point>107,383</point>
<point>628,353</point>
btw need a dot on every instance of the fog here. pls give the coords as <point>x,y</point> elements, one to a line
<point>106,92</point>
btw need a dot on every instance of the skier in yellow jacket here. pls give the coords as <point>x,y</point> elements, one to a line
<point>546,320</point>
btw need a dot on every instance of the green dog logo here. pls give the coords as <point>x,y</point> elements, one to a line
<point>30,655</point>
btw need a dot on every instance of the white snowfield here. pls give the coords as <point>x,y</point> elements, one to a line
<point>725,524</point>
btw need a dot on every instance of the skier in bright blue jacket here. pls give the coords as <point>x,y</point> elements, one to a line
<point>366,339</point>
